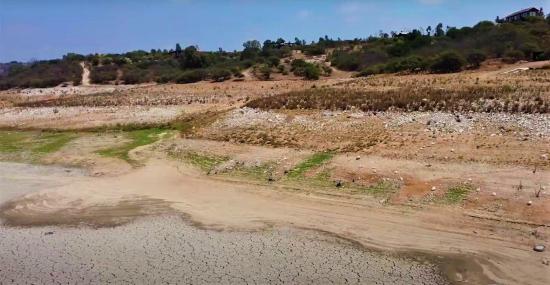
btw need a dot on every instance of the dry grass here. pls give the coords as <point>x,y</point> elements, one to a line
<point>472,98</point>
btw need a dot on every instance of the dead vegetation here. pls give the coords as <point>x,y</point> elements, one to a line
<point>476,99</point>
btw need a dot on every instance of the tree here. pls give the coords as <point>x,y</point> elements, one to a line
<point>448,62</point>
<point>265,72</point>
<point>253,44</point>
<point>311,72</point>
<point>192,58</point>
<point>439,32</point>
<point>429,31</point>
<point>475,58</point>
<point>178,50</point>
<point>220,74</point>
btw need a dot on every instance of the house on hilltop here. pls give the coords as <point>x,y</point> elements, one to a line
<point>522,15</point>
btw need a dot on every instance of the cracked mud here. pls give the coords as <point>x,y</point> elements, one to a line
<point>166,249</point>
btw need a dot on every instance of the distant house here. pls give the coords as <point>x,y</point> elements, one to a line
<point>523,14</point>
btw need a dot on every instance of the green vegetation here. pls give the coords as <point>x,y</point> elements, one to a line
<point>261,172</point>
<point>305,69</point>
<point>32,143</point>
<point>381,189</point>
<point>41,74</point>
<point>12,141</point>
<point>137,138</point>
<point>457,193</point>
<point>205,162</point>
<point>103,74</point>
<point>51,142</point>
<point>312,162</point>
<point>448,62</point>
<point>443,50</point>
<point>437,50</point>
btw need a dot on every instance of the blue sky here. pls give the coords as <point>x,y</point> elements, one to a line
<point>43,29</point>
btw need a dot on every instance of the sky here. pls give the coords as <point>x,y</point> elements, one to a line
<point>46,29</point>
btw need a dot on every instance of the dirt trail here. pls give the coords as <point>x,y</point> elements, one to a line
<point>85,74</point>
<point>503,253</point>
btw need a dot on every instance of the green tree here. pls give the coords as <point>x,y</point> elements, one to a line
<point>311,72</point>
<point>178,50</point>
<point>476,57</point>
<point>448,62</point>
<point>265,72</point>
<point>439,32</point>
<point>253,44</point>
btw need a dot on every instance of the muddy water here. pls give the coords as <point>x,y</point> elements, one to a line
<point>164,248</point>
<point>156,250</point>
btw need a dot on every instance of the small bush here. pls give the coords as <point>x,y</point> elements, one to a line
<point>220,74</point>
<point>311,72</point>
<point>305,69</point>
<point>513,56</point>
<point>475,58</point>
<point>371,70</point>
<point>103,74</point>
<point>192,76</point>
<point>264,72</point>
<point>448,62</point>
<point>135,76</point>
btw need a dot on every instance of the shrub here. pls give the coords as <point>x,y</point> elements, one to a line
<point>192,76</point>
<point>305,69</point>
<point>371,70</point>
<point>103,74</point>
<point>265,72</point>
<point>273,61</point>
<point>134,75</point>
<point>476,57</point>
<point>346,61</point>
<point>42,74</point>
<point>327,70</point>
<point>220,74</point>
<point>448,62</point>
<point>311,72</point>
<point>513,56</point>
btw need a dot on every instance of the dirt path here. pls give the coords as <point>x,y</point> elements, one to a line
<point>481,250</point>
<point>85,74</point>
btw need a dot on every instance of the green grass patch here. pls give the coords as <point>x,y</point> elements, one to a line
<point>458,193</point>
<point>261,172</point>
<point>383,188</point>
<point>203,161</point>
<point>137,138</point>
<point>13,141</point>
<point>52,142</point>
<point>312,162</point>
<point>33,144</point>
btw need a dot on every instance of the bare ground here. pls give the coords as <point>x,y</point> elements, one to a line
<point>486,234</point>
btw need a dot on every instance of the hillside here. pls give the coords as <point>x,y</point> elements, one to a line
<point>436,50</point>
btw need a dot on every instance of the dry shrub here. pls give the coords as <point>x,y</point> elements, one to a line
<point>474,98</point>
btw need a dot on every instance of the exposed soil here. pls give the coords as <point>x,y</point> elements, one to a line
<point>469,187</point>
